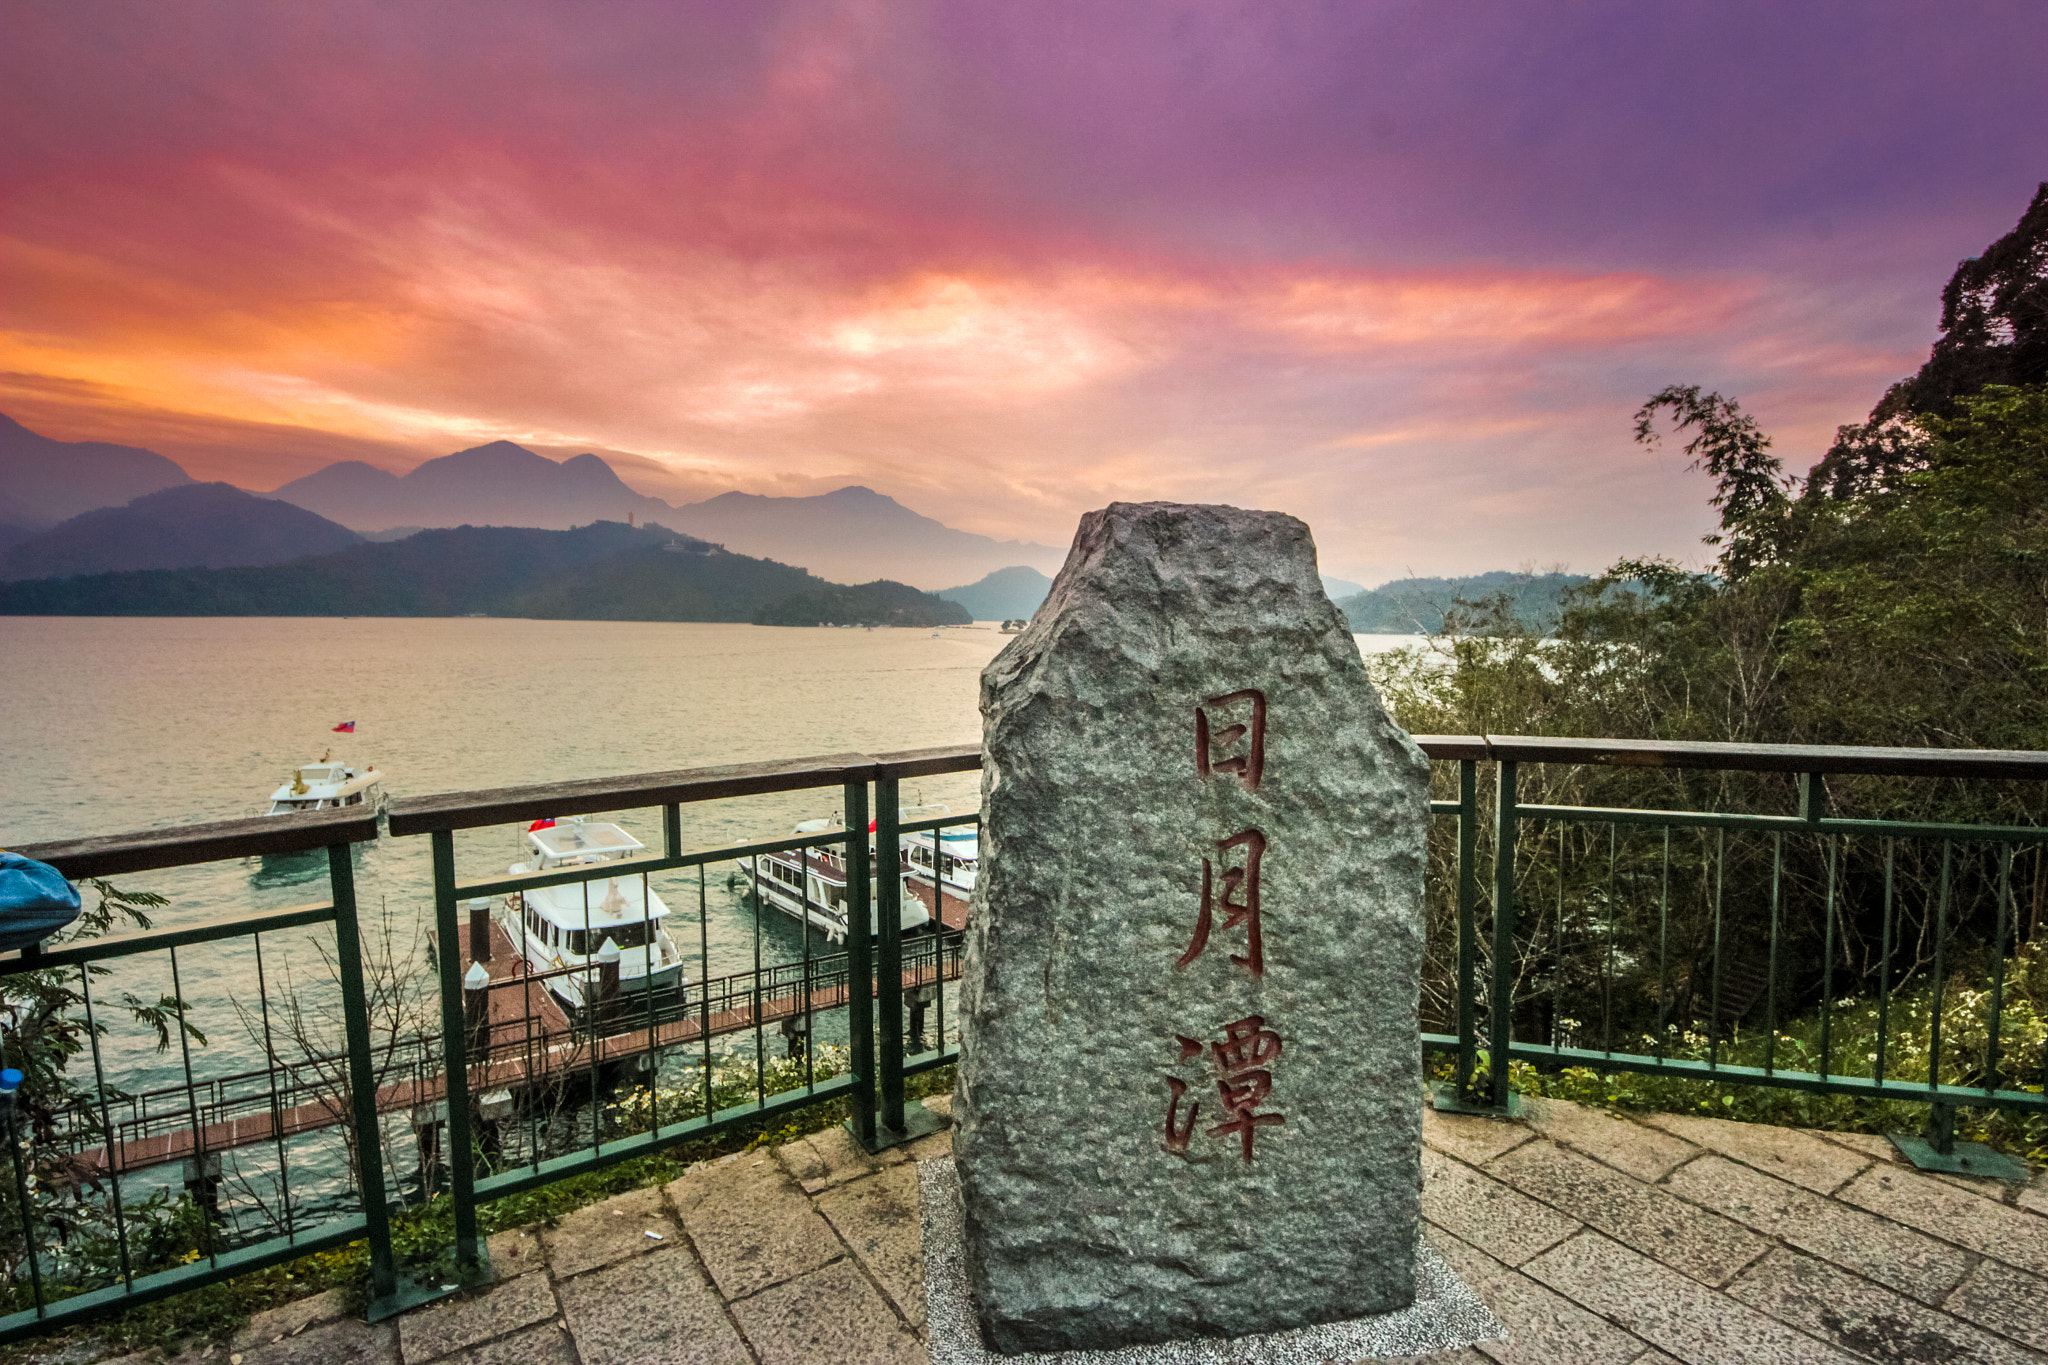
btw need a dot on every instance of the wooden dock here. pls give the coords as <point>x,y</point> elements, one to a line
<point>533,1042</point>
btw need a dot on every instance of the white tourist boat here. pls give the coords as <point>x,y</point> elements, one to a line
<point>811,884</point>
<point>554,927</point>
<point>326,785</point>
<point>940,871</point>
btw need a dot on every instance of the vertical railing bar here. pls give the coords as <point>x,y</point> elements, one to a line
<point>1940,981</point>
<point>114,1153</point>
<point>593,1023</point>
<point>455,1052</point>
<point>1664,948</point>
<point>1827,968</point>
<point>860,973</point>
<point>1714,1005</point>
<point>192,1104</point>
<point>1500,1002</point>
<point>534,1079</point>
<point>803,862</point>
<point>1884,960</point>
<point>1992,1056</point>
<point>647,976</point>
<point>276,1104</point>
<point>804,928</point>
<point>1557,951</point>
<point>1771,979</point>
<point>888,852</point>
<point>1468,931</point>
<point>704,972</point>
<point>355,1018</point>
<point>1607,964</point>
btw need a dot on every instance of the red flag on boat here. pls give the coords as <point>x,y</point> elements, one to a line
<point>347,727</point>
<point>548,823</point>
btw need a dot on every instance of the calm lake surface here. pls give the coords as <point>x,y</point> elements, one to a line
<point>109,725</point>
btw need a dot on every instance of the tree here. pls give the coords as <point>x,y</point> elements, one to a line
<point>1751,482</point>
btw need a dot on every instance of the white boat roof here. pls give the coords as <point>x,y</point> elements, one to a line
<point>613,901</point>
<point>567,840</point>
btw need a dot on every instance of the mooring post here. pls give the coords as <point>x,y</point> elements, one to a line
<point>480,929</point>
<point>476,1011</point>
<point>608,981</point>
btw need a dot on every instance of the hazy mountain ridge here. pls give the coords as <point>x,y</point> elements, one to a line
<point>1416,606</point>
<point>1004,595</point>
<point>194,525</point>
<point>605,571</point>
<point>45,481</point>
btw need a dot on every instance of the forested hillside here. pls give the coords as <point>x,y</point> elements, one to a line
<point>1411,606</point>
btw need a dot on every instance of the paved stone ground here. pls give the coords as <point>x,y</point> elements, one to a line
<point>1597,1240</point>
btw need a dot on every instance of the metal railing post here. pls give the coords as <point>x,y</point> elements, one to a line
<point>860,967</point>
<point>454,1055</point>
<point>889,953</point>
<point>1500,1007</point>
<point>1468,929</point>
<point>362,1080</point>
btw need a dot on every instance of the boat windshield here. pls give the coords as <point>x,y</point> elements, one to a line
<point>632,934</point>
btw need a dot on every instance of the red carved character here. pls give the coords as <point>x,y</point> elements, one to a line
<point>1248,766</point>
<point>1239,899</point>
<point>1244,1080</point>
<point>1248,1047</point>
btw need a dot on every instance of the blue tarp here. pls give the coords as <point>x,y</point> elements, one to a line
<point>35,901</point>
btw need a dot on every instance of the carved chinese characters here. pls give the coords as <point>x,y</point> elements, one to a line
<point>1189,1081</point>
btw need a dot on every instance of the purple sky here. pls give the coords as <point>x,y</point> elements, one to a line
<point>1404,270</point>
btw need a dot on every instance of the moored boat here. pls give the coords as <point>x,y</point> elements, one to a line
<point>939,866</point>
<point>810,884</point>
<point>326,785</point>
<point>569,926</point>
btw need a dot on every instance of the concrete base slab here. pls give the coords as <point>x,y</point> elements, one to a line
<point>1445,1316</point>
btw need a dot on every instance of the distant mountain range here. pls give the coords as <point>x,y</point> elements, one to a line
<point>1416,606</point>
<point>193,525</point>
<point>43,482</point>
<point>606,571</point>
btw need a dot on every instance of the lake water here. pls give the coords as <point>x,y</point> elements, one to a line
<point>109,725</point>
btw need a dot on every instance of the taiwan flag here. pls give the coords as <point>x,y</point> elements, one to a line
<point>548,823</point>
<point>347,727</point>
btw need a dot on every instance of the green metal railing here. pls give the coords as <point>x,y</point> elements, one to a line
<point>1540,909</point>
<point>1494,950</point>
<point>38,1238</point>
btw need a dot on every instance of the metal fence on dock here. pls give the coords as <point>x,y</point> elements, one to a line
<point>1657,908</point>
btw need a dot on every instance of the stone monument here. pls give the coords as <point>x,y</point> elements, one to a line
<point>1190,1093</point>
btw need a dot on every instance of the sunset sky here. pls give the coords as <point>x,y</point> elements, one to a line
<point>1404,270</point>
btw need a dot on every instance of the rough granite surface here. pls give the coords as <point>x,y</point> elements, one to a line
<point>1104,1042</point>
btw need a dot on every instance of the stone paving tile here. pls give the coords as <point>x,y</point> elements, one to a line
<point>930,1147</point>
<point>650,1310</point>
<point>752,1226</point>
<point>1470,1137</point>
<point>1873,1145</point>
<point>1511,1226</point>
<point>514,1252</point>
<point>879,1219</point>
<point>1670,1310</point>
<point>1858,1241</point>
<point>603,1233</point>
<point>1703,1245</point>
<point>2005,1300</point>
<point>833,1157</point>
<point>1541,1325</point>
<point>833,1315</point>
<point>1785,1153</point>
<point>290,1319</point>
<point>547,1344</point>
<point>341,1341</point>
<point>1645,1153</point>
<point>1858,1316</point>
<point>434,1332</point>
<point>1905,1195</point>
<point>2034,1197</point>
